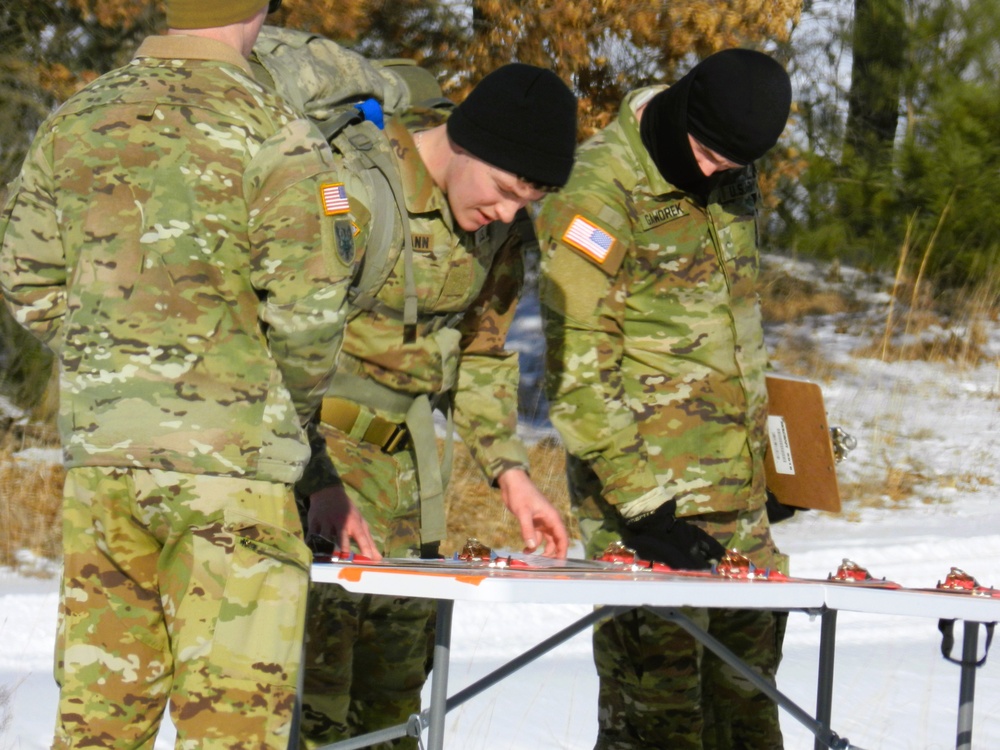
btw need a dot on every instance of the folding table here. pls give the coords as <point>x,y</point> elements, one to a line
<point>615,591</point>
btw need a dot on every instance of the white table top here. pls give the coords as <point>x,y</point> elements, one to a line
<point>644,588</point>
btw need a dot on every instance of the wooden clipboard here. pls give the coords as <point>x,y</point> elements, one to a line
<point>800,464</point>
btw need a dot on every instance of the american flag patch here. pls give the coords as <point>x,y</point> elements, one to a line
<point>334,197</point>
<point>589,238</point>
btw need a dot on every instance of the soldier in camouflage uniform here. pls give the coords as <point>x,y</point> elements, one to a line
<point>655,371</point>
<point>464,179</point>
<point>167,240</point>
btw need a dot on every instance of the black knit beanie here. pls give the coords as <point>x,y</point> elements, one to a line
<point>735,102</point>
<point>522,119</point>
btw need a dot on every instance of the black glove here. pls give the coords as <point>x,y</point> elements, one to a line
<point>662,537</point>
<point>777,511</point>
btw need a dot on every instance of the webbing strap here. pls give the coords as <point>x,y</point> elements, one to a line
<point>331,127</point>
<point>368,392</point>
<point>947,628</point>
<point>355,145</point>
<point>416,412</point>
<point>431,471</point>
<point>375,267</point>
<point>427,323</point>
<point>409,284</point>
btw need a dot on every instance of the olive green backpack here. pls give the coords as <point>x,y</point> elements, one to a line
<point>345,94</point>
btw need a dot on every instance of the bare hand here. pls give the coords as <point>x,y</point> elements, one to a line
<point>540,522</point>
<point>332,515</point>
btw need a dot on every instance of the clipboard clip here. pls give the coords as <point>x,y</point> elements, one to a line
<point>843,443</point>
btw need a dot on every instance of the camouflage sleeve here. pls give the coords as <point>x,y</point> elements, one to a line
<point>319,472</point>
<point>33,273</point>
<point>303,217</point>
<point>583,307</point>
<point>486,391</point>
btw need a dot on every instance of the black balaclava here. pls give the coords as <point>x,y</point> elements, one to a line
<point>735,102</point>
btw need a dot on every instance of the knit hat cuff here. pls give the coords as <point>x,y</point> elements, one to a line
<point>522,119</point>
<point>526,160</point>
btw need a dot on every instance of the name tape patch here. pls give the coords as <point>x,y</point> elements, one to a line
<point>662,215</point>
<point>589,238</point>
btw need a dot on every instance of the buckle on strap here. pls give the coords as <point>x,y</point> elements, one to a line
<point>389,436</point>
<point>343,414</point>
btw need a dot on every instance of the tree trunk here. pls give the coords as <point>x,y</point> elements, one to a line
<point>879,52</point>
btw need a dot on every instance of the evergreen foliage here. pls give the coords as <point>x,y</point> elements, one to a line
<point>914,184</point>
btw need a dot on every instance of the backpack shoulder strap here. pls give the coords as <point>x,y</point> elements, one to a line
<point>345,94</point>
<point>366,154</point>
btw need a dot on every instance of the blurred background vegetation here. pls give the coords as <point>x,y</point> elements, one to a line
<point>889,160</point>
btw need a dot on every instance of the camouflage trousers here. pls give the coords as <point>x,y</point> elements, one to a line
<point>182,588</point>
<point>658,686</point>
<point>367,657</point>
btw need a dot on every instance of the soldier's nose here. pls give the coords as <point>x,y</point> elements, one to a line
<point>506,211</point>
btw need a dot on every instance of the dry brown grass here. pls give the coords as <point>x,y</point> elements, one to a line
<point>785,298</point>
<point>951,329</point>
<point>788,299</point>
<point>475,509</point>
<point>900,486</point>
<point>6,715</point>
<point>920,325</point>
<point>32,496</point>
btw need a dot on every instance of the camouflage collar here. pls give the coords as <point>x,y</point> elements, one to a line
<point>419,190</point>
<point>629,124</point>
<point>184,47</point>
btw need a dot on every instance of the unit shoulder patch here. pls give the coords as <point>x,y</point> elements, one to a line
<point>345,232</point>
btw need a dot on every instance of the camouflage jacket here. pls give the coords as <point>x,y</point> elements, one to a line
<point>655,358</point>
<point>467,289</point>
<point>168,238</point>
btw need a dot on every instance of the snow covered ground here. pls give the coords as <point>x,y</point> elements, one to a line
<point>936,425</point>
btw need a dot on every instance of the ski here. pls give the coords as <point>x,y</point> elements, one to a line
<point>477,558</point>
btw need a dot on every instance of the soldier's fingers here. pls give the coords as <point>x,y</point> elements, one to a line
<point>555,543</point>
<point>366,543</point>
<point>527,522</point>
<point>560,545</point>
<point>556,539</point>
<point>344,537</point>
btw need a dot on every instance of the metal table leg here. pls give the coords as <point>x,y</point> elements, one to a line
<point>967,686</point>
<point>439,675</point>
<point>824,688</point>
<point>433,717</point>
